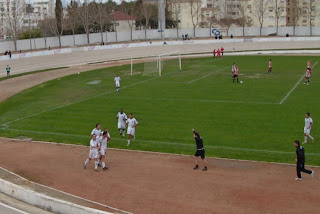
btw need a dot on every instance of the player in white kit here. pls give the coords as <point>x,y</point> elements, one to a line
<point>122,118</point>
<point>117,80</point>
<point>307,128</point>
<point>131,131</point>
<point>103,142</point>
<point>97,130</point>
<point>93,154</point>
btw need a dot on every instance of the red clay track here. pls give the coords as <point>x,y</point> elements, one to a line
<point>157,183</point>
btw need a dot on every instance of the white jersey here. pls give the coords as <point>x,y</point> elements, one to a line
<point>122,118</point>
<point>93,144</point>
<point>308,122</point>
<point>97,132</point>
<point>104,141</point>
<point>131,122</point>
<point>117,79</point>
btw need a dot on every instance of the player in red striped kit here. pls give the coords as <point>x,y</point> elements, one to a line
<point>214,53</point>
<point>235,72</point>
<point>307,77</point>
<point>309,65</point>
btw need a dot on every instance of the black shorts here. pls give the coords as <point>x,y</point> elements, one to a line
<point>200,153</point>
<point>234,76</point>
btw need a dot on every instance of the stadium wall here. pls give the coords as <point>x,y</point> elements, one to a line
<point>95,38</point>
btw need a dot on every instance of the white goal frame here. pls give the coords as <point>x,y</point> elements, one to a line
<point>159,61</point>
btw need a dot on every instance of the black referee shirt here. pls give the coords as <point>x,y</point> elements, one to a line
<point>300,154</point>
<point>199,143</point>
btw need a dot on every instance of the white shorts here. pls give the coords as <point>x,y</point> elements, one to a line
<point>307,131</point>
<point>131,131</point>
<point>308,75</point>
<point>93,153</point>
<point>121,126</point>
<point>117,84</point>
<point>103,151</point>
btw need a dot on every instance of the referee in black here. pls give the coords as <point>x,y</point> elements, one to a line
<point>300,161</point>
<point>200,151</point>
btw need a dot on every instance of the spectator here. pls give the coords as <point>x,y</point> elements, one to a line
<point>6,53</point>
<point>216,37</point>
<point>20,51</point>
<point>182,37</point>
<point>287,35</point>
<point>49,48</point>
<point>214,53</point>
<point>231,36</point>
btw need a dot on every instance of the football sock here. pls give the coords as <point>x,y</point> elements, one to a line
<point>305,138</point>
<point>128,142</point>
<point>311,137</point>
<point>103,164</point>
<point>86,162</point>
<point>96,164</point>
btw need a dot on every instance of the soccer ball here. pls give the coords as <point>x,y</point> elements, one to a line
<point>241,82</point>
<point>78,72</point>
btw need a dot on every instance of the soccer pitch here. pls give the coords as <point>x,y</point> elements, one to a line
<point>256,120</point>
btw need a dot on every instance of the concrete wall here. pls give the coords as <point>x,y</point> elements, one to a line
<point>95,38</point>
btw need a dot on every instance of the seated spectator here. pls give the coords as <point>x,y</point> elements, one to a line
<point>231,36</point>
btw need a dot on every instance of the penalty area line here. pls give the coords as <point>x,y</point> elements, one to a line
<point>295,86</point>
<point>192,81</point>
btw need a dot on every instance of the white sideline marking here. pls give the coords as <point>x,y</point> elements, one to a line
<point>165,143</point>
<point>288,94</point>
<point>188,100</point>
<point>12,208</point>
<point>87,200</point>
<point>150,152</point>
<point>192,81</point>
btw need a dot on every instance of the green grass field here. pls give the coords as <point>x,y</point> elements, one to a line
<point>242,121</point>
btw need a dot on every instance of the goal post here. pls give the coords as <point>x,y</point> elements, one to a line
<point>169,61</point>
<point>155,65</point>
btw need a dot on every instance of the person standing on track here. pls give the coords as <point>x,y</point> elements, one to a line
<point>104,139</point>
<point>93,154</point>
<point>222,50</point>
<point>214,53</point>
<point>300,160</point>
<point>308,122</point>
<point>8,69</point>
<point>200,151</point>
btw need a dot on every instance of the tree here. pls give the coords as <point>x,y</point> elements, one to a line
<point>226,19</point>
<point>128,8</point>
<point>147,10</point>
<point>102,16</point>
<point>211,20</point>
<point>59,18</point>
<point>43,26</point>
<point>259,9</point>
<point>296,13</point>
<point>311,7</point>
<point>278,7</point>
<point>244,19</point>
<point>176,13</point>
<point>85,14</point>
<point>195,14</point>
<point>57,24</point>
<point>72,21</point>
<point>14,19</point>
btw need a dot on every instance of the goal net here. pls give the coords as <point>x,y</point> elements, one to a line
<point>157,65</point>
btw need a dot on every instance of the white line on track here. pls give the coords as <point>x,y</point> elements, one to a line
<point>12,208</point>
<point>94,202</point>
<point>192,81</point>
<point>165,143</point>
<point>294,87</point>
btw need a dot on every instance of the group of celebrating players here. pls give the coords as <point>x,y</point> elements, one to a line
<point>100,139</point>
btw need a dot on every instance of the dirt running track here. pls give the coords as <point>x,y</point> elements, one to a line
<point>157,183</point>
